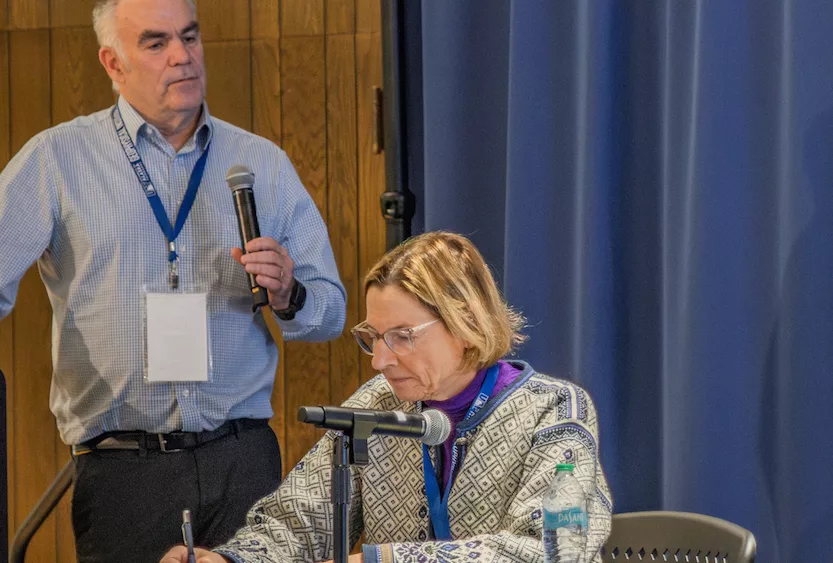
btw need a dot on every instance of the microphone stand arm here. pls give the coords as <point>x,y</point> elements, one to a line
<point>349,449</point>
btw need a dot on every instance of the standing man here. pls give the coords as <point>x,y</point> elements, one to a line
<point>162,374</point>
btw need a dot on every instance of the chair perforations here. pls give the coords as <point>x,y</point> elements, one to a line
<point>616,553</point>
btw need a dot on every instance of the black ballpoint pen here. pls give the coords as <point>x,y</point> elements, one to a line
<point>188,535</point>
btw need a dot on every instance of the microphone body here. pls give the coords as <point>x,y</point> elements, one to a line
<point>241,181</point>
<point>431,427</point>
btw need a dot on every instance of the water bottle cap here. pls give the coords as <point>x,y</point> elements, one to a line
<point>564,467</point>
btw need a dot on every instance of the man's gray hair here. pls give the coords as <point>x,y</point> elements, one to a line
<point>104,25</point>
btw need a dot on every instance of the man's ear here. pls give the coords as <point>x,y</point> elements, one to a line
<point>112,64</point>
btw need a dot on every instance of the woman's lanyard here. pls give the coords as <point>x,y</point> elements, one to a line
<point>437,505</point>
<point>171,232</point>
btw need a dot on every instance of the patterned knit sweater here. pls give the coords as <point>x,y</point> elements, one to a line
<point>509,452</point>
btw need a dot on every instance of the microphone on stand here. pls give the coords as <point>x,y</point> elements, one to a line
<point>431,427</point>
<point>240,181</point>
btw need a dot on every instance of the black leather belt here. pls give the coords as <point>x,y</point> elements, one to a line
<point>170,442</point>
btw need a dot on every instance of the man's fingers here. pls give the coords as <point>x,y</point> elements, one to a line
<point>265,243</point>
<point>271,270</point>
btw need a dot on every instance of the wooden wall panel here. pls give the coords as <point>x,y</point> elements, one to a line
<point>5,148</point>
<point>79,84</point>
<point>28,14</point>
<point>71,13</point>
<point>342,204</point>
<point>289,70</point>
<point>29,83</point>
<point>223,20</point>
<point>368,16</point>
<point>304,124</point>
<point>371,226</point>
<point>230,81</point>
<point>302,17</point>
<point>341,16</point>
<point>266,89</point>
<point>266,21</point>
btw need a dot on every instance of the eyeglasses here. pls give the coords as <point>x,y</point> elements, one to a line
<point>399,340</point>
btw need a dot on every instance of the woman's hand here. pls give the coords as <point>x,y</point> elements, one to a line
<point>179,554</point>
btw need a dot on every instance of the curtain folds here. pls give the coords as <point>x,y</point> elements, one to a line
<point>652,183</point>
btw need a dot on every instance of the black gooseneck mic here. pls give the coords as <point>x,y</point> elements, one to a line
<point>431,427</point>
<point>240,181</point>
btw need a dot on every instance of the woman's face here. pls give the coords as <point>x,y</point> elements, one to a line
<point>431,370</point>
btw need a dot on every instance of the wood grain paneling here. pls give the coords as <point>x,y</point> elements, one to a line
<point>230,82</point>
<point>73,13</point>
<point>304,124</point>
<point>266,23</point>
<point>289,70</point>
<point>223,20</point>
<point>80,85</point>
<point>341,16</point>
<point>4,99</point>
<point>342,203</point>
<point>29,83</point>
<point>302,18</point>
<point>371,226</point>
<point>266,89</point>
<point>304,112</point>
<point>368,16</point>
<point>28,14</point>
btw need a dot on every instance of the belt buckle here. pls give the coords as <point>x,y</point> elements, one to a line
<point>163,445</point>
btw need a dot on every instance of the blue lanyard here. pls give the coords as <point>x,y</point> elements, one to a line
<point>438,506</point>
<point>171,232</point>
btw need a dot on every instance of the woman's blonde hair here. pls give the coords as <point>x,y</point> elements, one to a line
<point>446,273</point>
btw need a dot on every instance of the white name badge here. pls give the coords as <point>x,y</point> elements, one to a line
<point>177,337</point>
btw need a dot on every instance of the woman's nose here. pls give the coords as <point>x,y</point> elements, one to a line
<point>383,356</point>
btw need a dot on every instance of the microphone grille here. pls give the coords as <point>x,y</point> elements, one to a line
<point>239,176</point>
<point>437,427</point>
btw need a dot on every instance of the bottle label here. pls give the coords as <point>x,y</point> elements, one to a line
<point>569,517</point>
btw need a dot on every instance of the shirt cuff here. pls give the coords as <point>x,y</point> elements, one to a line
<point>371,554</point>
<point>303,318</point>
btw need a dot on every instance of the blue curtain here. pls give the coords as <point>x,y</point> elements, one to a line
<point>652,182</point>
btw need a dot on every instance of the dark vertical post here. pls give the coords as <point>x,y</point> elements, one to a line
<point>4,477</point>
<point>397,201</point>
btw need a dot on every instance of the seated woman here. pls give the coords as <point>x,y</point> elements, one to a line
<point>437,329</point>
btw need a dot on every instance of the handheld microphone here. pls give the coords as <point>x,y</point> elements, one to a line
<point>240,181</point>
<point>431,427</point>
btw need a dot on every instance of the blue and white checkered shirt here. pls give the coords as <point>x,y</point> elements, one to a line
<point>70,201</point>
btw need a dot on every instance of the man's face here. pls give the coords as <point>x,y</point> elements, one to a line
<point>163,75</point>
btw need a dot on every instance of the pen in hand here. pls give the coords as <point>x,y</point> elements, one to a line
<point>188,535</point>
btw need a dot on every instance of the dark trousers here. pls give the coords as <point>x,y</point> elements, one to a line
<point>127,504</point>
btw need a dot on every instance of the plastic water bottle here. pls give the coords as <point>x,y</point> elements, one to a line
<point>565,518</point>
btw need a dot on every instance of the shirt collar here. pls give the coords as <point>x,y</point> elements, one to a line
<point>136,124</point>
